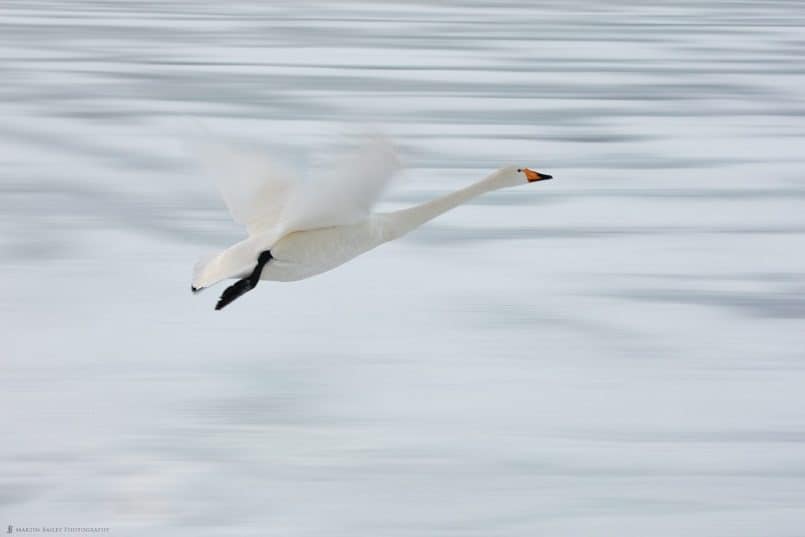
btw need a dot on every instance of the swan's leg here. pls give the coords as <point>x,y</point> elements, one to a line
<point>246,284</point>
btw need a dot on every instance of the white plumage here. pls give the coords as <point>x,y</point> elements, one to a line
<point>304,227</point>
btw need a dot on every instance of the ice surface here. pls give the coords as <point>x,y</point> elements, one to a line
<point>616,352</point>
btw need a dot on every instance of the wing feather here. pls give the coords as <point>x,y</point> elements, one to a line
<point>264,196</point>
<point>254,188</point>
<point>346,191</point>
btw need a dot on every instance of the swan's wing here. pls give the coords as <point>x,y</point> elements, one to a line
<point>254,188</point>
<point>344,192</point>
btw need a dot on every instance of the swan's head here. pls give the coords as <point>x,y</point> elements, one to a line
<point>517,175</point>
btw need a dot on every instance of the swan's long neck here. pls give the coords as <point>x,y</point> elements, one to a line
<point>401,222</point>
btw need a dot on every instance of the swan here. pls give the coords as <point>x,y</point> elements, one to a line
<point>297,229</point>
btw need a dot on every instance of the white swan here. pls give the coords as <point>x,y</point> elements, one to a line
<point>298,229</point>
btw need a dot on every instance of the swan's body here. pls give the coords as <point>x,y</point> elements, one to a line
<point>316,227</point>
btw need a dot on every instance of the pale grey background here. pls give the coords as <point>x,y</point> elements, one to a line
<point>618,352</point>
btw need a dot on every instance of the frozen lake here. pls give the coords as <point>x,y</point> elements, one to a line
<point>618,352</point>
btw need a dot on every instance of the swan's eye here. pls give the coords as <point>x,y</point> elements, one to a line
<point>519,170</point>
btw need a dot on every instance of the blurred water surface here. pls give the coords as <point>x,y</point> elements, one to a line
<point>617,352</point>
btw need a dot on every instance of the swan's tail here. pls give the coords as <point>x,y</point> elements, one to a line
<point>199,270</point>
<point>234,262</point>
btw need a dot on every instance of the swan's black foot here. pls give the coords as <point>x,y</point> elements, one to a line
<point>234,291</point>
<point>264,258</point>
<point>246,284</point>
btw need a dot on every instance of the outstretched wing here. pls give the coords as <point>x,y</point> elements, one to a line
<point>254,188</point>
<point>344,192</point>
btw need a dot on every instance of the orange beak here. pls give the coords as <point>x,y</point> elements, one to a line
<point>532,176</point>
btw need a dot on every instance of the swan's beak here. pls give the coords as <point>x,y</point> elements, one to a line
<point>532,176</point>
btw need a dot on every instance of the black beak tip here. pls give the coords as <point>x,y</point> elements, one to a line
<point>545,177</point>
